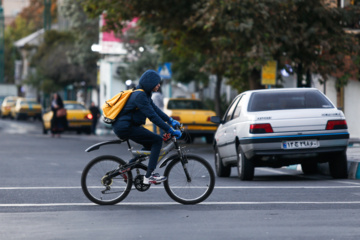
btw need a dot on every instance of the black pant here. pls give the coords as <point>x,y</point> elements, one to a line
<point>148,139</point>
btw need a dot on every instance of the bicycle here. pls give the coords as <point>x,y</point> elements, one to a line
<point>107,179</point>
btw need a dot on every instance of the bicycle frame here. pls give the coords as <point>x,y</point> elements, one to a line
<point>144,154</point>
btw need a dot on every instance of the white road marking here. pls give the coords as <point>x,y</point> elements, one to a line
<point>346,182</point>
<point>216,187</point>
<point>168,203</point>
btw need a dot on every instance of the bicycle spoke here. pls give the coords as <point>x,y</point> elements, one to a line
<point>101,189</point>
<point>189,192</point>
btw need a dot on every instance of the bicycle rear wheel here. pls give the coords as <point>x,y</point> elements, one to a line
<point>100,189</point>
<point>198,188</point>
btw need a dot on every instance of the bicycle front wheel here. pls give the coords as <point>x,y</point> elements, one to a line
<point>101,189</point>
<point>192,189</point>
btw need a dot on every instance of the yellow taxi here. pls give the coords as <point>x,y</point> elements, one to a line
<point>193,114</point>
<point>78,116</point>
<point>25,108</point>
<point>7,105</point>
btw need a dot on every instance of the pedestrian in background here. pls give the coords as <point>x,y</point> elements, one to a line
<point>158,100</point>
<point>58,123</point>
<point>95,112</point>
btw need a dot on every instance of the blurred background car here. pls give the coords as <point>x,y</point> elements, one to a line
<point>7,105</point>
<point>193,114</point>
<point>25,108</point>
<point>281,127</point>
<point>78,116</point>
<point>1,101</point>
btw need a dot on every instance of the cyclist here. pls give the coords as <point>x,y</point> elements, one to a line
<point>128,124</point>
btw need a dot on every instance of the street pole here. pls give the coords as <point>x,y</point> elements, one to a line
<point>47,26</point>
<point>2,58</point>
<point>47,15</point>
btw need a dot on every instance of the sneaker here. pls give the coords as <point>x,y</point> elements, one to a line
<point>154,178</point>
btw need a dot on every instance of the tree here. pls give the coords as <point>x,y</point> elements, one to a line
<point>170,21</point>
<point>34,13</point>
<point>28,21</point>
<point>86,33</point>
<point>54,71</point>
<point>305,34</point>
<point>235,38</point>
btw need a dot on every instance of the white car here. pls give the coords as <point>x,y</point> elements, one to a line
<point>281,127</point>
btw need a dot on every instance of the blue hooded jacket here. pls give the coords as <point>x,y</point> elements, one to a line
<point>140,106</point>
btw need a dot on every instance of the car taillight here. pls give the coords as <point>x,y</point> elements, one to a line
<point>261,128</point>
<point>177,118</point>
<point>89,116</point>
<point>336,124</point>
<point>208,119</point>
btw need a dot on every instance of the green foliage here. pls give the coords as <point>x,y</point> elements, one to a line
<point>234,38</point>
<point>52,63</point>
<point>18,29</point>
<point>86,32</point>
<point>28,21</point>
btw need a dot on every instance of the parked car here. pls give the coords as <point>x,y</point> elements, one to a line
<point>1,101</point>
<point>25,108</point>
<point>281,127</point>
<point>78,116</point>
<point>7,105</point>
<point>193,114</point>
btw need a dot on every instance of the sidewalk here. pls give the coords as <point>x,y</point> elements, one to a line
<point>353,158</point>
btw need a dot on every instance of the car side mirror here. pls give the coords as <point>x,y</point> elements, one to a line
<point>215,119</point>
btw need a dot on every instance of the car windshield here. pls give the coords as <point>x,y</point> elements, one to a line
<point>267,101</point>
<point>74,106</point>
<point>186,104</point>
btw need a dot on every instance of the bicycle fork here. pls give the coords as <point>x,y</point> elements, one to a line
<point>183,161</point>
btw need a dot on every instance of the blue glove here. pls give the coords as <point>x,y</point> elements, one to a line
<point>175,133</point>
<point>174,123</point>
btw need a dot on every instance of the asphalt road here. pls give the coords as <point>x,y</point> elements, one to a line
<point>41,198</point>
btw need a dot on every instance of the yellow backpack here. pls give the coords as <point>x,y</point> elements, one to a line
<point>113,106</point>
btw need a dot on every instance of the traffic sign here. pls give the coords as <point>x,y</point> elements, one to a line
<point>165,71</point>
<point>268,73</point>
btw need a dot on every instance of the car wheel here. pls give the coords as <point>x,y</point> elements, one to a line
<point>209,139</point>
<point>88,131</point>
<point>309,167</point>
<point>221,170</point>
<point>338,165</point>
<point>245,166</point>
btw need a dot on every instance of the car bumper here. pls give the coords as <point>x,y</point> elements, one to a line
<point>200,129</point>
<point>79,124</point>
<point>272,146</point>
<point>28,114</point>
<point>5,113</point>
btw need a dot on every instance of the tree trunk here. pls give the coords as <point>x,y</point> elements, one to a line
<point>254,80</point>
<point>217,94</point>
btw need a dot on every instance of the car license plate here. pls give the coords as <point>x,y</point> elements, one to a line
<point>300,144</point>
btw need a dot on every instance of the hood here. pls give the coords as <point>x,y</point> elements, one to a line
<point>149,80</point>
